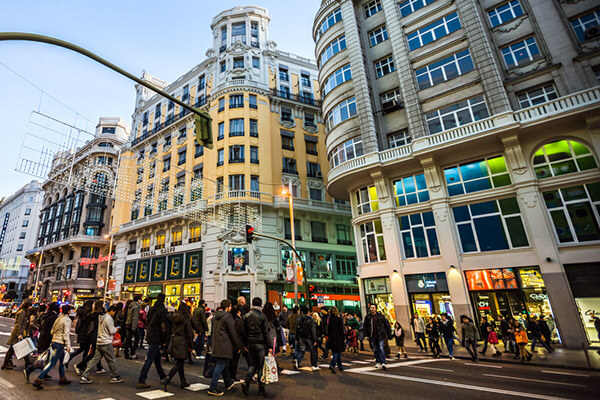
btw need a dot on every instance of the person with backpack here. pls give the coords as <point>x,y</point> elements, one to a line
<point>306,339</point>
<point>104,347</point>
<point>157,335</point>
<point>255,336</point>
<point>447,330</point>
<point>181,340</point>
<point>201,327</point>
<point>291,323</point>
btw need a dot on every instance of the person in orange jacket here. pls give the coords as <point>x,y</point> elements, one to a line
<point>522,340</point>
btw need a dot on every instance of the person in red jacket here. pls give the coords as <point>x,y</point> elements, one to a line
<point>493,341</point>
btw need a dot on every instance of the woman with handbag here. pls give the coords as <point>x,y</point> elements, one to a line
<point>180,345</point>
<point>19,332</point>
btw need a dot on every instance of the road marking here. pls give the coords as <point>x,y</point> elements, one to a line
<point>289,372</point>
<point>3,349</point>
<point>433,368</point>
<point>306,369</point>
<point>361,362</point>
<point>564,373</point>
<point>6,384</point>
<point>195,387</point>
<point>484,365</point>
<point>534,380</point>
<point>459,385</point>
<point>400,364</point>
<point>155,394</point>
<point>108,398</point>
<point>4,325</point>
<point>5,333</point>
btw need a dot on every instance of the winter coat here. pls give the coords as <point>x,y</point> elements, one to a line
<point>142,319</point>
<point>433,330</point>
<point>291,322</point>
<point>306,328</point>
<point>483,329</point>
<point>399,336</point>
<point>469,331</point>
<point>87,328</point>
<point>45,338</point>
<point>20,328</point>
<point>335,332</point>
<point>159,325</point>
<point>360,334</point>
<point>133,314</point>
<point>545,329</point>
<point>224,337</point>
<point>447,329</point>
<point>492,338</point>
<point>283,318</point>
<point>106,329</point>
<point>504,328</point>
<point>521,337</point>
<point>352,341</point>
<point>418,325</point>
<point>182,336</point>
<point>535,329</point>
<point>255,328</point>
<point>199,320</point>
<point>61,330</point>
<point>379,328</point>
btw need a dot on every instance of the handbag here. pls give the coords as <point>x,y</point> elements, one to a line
<point>117,340</point>
<point>209,366</point>
<point>269,373</point>
<point>23,348</point>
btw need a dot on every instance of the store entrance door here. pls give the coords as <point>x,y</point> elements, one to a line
<point>237,289</point>
<point>508,303</point>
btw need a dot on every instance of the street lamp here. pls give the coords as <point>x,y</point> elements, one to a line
<point>107,265</point>
<point>288,192</point>
<point>37,275</point>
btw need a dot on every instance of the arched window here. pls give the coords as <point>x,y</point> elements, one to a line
<point>562,157</point>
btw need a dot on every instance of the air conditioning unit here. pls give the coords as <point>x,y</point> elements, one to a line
<point>592,32</point>
<point>389,106</point>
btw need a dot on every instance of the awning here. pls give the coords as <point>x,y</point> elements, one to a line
<point>287,133</point>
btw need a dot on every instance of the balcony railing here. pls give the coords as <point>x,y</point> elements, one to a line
<point>296,97</point>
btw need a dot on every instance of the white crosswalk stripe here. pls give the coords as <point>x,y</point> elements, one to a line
<point>195,387</point>
<point>155,394</point>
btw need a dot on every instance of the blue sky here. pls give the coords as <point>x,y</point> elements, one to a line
<point>164,38</point>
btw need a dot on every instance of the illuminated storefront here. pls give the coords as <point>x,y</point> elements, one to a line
<point>584,280</point>
<point>378,291</point>
<point>429,294</point>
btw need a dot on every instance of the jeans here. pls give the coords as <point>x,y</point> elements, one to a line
<point>152,356</point>
<point>292,340</point>
<point>450,345</point>
<point>141,335</point>
<point>471,346</point>
<point>301,346</point>
<point>233,366</point>
<point>379,350</point>
<point>420,339</point>
<point>434,345</point>
<point>56,355</point>
<point>178,367</point>
<point>336,359</point>
<point>542,341</point>
<point>257,361</point>
<point>83,348</point>
<point>220,369</point>
<point>103,350</point>
<point>199,343</point>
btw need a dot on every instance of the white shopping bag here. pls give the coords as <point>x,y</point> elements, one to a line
<point>269,374</point>
<point>66,357</point>
<point>23,348</point>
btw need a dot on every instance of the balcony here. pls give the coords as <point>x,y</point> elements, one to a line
<point>296,97</point>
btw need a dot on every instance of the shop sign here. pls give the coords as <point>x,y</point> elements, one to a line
<point>538,296</point>
<point>112,285</point>
<point>100,284</point>
<point>167,250</point>
<point>147,254</point>
<point>175,267</point>
<point>84,291</point>
<point>129,276</point>
<point>426,283</point>
<point>154,290</point>
<point>158,269</point>
<point>492,279</point>
<point>193,268</point>
<point>320,301</point>
<point>143,271</point>
<point>238,259</point>
<point>377,285</point>
<point>101,259</point>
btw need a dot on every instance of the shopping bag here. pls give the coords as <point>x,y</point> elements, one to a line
<point>117,340</point>
<point>66,357</point>
<point>269,374</point>
<point>23,348</point>
<point>209,366</point>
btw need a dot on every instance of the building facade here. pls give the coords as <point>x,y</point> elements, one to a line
<point>268,134</point>
<point>72,243</point>
<point>465,134</point>
<point>20,223</point>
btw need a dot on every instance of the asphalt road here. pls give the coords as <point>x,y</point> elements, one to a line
<point>418,377</point>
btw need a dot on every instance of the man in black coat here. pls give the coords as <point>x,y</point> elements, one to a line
<point>225,342</point>
<point>378,329</point>
<point>200,324</point>
<point>256,340</point>
<point>157,335</point>
<point>306,339</point>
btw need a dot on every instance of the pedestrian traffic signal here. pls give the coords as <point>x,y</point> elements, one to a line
<point>203,130</point>
<point>249,233</point>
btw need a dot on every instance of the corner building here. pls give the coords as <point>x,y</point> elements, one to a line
<point>268,134</point>
<point>465,135</point>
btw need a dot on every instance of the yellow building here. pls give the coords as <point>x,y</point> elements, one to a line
<point>181,224</point>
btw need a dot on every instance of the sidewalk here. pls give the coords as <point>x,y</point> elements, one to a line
<point>560,358</point>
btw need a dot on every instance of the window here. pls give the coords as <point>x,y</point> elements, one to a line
<point>372,8</point>
<point>283,74</point>
<point>318,232</point>
<point>313,170</point>
<point>236,101</point>
<point>108,129</point>
<point>575,212</point>
<point>331,19</point>
<point>520,53</point>
<point>195,234</point>
<point>254,185</point>
<point>254,154</point>
<point>582,24</point>
<point>444,70</point>
<point>562,157</point>
<point>340,113</point>
<point>236,182</point>
<point>491,225</point>
<point>238,32</point>
<point>316,194</point>
<point>286,114</point>
<point>167,164</point>
<point>19,247</point>
<point>254,128</point>
<point>478,175</point>
<point>238,62</point>
<point>384,66</point>
<point>186,93</point>
<point>157,113</point>
<point>252,101</point>
<point>287,229</point>
<point>223,67</point>
<point>105,144</point>
<point>338,44</point>
<point>506,12</point>
<point>289,166</point>
<point>132,247</point>
<point>25,223</point>
<point>160,241</point>
<point>371,237</point>
<point>198,150</point>
<point>311,145</point>
<point>287,140</point>
<point>236,127</point>
<point>419,238</point>
<point>167,143</point>
<point>398,139</point>
<point>223,38</point>
<point>410,6</point>
<point>220,157</point>
<point>176,238</point>
<point>22,235</point>
<point>378,35</point>
<point>346,151</point>
<point>305,79</point>
<point>221,131</point>
<point>537,96</point>
<point>345,265</point>
<point>254,34</point>
<point>458,114</point>
<point>182,156</point>
<point>366,200</point>
<point>337,78</point>
<point>221,104</point>
<point>434,31</point>
<point>236,153</point>
<point>309,119</point>
<point>28,211</point>
<point>343,234</point>
<point>390,101</point>
<point>256,62</point>
<point>410,190</point>
<point>145,244</point>
<point>201,82</point>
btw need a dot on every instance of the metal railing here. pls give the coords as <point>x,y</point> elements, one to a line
<point>296,97</point>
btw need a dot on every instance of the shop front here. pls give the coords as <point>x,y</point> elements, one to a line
<point>81,295</point>
<point>510,292</point>
<point>378,291</point>
<point>428,294</point>
<point>584,280</point>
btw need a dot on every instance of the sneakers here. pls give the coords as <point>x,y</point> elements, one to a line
<point>116,379</point>
<point>215,392</point>
<point>296,365</point>
<point>83,380</point>
<point>383,367</point>
<point>377,365</point>
<point>405,355</point>
<point>134,357</point>
<point>316,369</point>
<point>452,358</point>
<point>231,385</point>
<point>142,385</point>
<point>26,375</point>
<point>101,371</point>
<point>77,370</point>
<point>332,369</point>
<point>38,384</point>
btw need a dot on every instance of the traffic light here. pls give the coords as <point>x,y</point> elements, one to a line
<point>249,233</point>
<point>67,293</point>
<point>203,130</point>
<point>31,267</point>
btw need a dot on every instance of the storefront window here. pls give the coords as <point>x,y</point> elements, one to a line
<point>172,295</point>
<point>238,259</point>
<point>379,292</point>
<point>429,294</point>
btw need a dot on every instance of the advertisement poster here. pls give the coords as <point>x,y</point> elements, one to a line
<point>194,265</point>
<point>238,259</point>
<point>129,272</point>
<point>158,269</point>
<point>143,274</point>
<point>479,280</point>
<point>175,266</point>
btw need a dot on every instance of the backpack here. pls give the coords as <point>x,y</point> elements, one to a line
<point>302,328</point>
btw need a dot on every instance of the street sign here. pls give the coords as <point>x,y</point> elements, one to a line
<point>112,285</point>
<point>100,283</point>
<point>320,301</point>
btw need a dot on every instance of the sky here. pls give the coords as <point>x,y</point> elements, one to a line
<point>166,39</point>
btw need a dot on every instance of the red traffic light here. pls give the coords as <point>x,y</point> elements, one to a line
<point>67,293</point>
<point>31,266</point>
<point>249,233</point>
